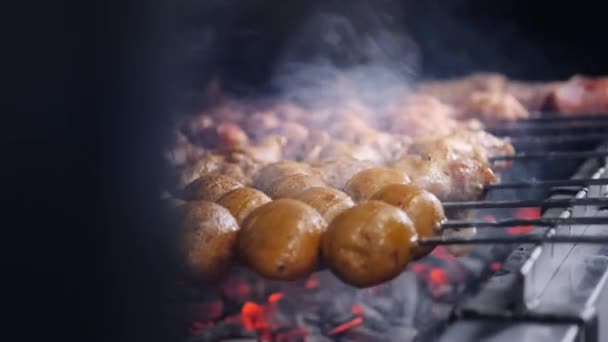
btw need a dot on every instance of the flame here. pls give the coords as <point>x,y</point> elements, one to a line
<point>346,326</point>
<point>524,213</point>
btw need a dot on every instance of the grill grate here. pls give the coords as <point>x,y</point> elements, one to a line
<point>553,285</point>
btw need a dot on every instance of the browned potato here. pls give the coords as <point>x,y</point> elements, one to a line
<point>275,171</point>
<point>366,183</point>
<point>280,240</point>
<point>210,187</point>
<point>369,243</point>
<point>291,186</point>
<point>206,239</point>
<point>423,208</point>
<point>242,201</point>
<point>328,202</point>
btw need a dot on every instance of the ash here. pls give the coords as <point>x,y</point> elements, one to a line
<point>412,307</point>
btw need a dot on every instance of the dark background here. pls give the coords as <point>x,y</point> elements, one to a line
<point>89,89</point>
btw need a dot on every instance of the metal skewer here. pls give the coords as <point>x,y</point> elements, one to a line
<point>547,183</point>
<point>516,239</point>
<point>544,222</point>
<point>551,155</point>
<point>547,203</point>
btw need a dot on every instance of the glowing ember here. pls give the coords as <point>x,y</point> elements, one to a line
<point>524,213</point>
<point>275,297</point>
<point>253,316</point>
<point>346,326</point>
<point>495,266</point>
<point>357,310</point>
<point>437,276</point>
<point>312,282</point>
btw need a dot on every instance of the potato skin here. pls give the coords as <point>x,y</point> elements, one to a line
<point>423,208</point>
<point>210,187</point>
<point>271,173</point>
<point>369,243</point>
<point>328,202</point>
<point>206,240</point>
<point>280,240</point>
<point>366,183</point>
<point>242,201</point>
<point>293,185</point>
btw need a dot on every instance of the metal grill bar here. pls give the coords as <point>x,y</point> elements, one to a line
<point>516,239</point>
<point>547,183</point>
<point>547,203</point>
<point>561,139</point>
<point>553,117</point>
<point>552,155</point>
<point>541,222</point>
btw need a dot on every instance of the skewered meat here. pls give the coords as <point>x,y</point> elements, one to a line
<point>275,171</point>
<point>210,187</point>
<point>369,243</point>
<point>242,201</point>
<point>421,116</point>
<point>343,149</point>
<point>280,240</point>
<point>337,171</point>
<point>291,186</point>
<point>327,201</point>
<point>581,95</point>
<point>423,208</point>
<point>464,144</point>
<point>207,239</point>
<point>367,182</point>
<point>457,179</point>
<point>492,106</point>
<point>456,91</point>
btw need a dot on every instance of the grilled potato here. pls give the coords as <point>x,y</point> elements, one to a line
<point>423,208</point>
<point>369,243</point>
<point>328,202</point>
<point>206,239</point>
<point>291,186</point>
<point>273,172</point>
<point>367,182</point>
<point>280,240</point>
<point>210,188</point>
<point>242,201</point>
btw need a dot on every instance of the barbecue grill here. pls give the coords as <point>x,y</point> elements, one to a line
<point>548,282</point>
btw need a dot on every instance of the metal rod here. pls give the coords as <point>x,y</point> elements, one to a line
<point>556,125</point>
<point>547,183</point>
<point>552,117</point>
<point>547,203</point>
<point>544,222</point>
<point>515,239</point>
<point>559,139</point>
<point>552,155</point>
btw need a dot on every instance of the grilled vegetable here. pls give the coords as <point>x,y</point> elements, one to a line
<point>369,243</point>
<point>367,182</point>
<point>328,202</point>
<point>242,201</point>
<point>280,240</point>
<point>423,208</point>
<point>210,187</point>
<point>206,239</point>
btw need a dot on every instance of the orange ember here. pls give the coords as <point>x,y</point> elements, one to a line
<point>311,282</point>
<point>345,326</point>
<point>438,276</point>
<point>524,213</point>
<point>253,316</point>
<point>275,297</point>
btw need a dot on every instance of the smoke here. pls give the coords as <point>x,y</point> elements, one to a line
<point>338,55</point>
